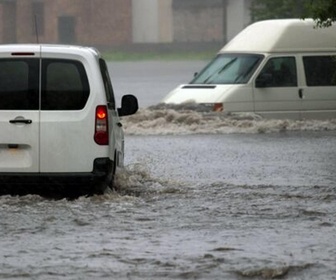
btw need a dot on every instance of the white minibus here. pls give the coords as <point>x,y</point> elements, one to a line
<point>274,68</point>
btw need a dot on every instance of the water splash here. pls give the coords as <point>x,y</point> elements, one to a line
<point>191,119</point>
<point>135,180</point>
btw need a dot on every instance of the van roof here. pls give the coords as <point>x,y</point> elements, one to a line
<point>283,35</point>
<point>57,48</point>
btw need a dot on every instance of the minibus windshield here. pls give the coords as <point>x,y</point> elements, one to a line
<point>229,69</point>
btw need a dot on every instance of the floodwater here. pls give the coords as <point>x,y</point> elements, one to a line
<point>202,196</point>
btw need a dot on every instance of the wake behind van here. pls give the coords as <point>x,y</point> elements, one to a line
<point>274,68</point>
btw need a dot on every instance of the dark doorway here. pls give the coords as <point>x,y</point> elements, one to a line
<point>66,30</point>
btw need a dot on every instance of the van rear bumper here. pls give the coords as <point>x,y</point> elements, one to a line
<point>72,184</point>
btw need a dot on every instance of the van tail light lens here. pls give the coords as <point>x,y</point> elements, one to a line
<point>218,107</point>
<point>101,135</point>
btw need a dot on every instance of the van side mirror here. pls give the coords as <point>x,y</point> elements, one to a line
<point>264,80</point>
<point>129,105</point>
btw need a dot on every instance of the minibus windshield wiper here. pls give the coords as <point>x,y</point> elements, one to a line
<point>220,70</point>
<point>243,75</point>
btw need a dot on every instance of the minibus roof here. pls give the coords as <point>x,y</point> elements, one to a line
<point>283,35</point>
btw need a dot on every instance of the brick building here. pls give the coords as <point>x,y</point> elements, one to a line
<point>188,21</point>
<point>115,23</point>
<point>199,20</point>
<point>92,22</point>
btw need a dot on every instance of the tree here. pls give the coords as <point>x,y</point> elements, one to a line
<point>322,11</point>
<point>275,9</point>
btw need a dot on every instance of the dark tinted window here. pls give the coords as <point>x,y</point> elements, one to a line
<point>19,84</point>
<point>107,83</point>
<point>64,85</point>
<point>281,72</point>
<point>320,70</point>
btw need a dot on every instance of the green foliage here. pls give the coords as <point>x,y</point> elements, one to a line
<point>277,9</point>
<point>322,11</point>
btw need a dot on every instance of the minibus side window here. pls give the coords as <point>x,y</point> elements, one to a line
<point>320,70</point>
<point>278,72</point>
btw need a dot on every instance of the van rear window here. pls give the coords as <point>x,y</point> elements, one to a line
<point>19,84</point>
<point>65,85</point>
<point>320,70</point>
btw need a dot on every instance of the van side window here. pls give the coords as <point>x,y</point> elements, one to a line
<point>107,83</point>
<point>279,72</point>
<point>320,70</point>
<point>65,85</point>
<point>19,84</point>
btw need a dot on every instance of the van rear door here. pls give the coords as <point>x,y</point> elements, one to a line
<point>276,92</point>
<point>66,123</point>
<point>19,111</point>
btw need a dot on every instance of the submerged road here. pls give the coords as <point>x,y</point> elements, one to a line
<point>191,204</point>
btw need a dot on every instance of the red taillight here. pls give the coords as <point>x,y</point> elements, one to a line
<point>218,107</point>
<point>101,135</point>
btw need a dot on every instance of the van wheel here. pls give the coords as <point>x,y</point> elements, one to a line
<point>107,183</point>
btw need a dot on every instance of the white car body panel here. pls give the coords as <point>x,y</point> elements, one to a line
<point>26,157</point>
<point>211,94</point>
<point>197,93</point>
<point>65,135</point>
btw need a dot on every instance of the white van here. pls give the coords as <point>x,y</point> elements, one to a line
<point>274,68</point>
<point>58,120</point>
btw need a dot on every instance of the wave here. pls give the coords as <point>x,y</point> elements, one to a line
<point>271,273</point>
<point>186,119</point>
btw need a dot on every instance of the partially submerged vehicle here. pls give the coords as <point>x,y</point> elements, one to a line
<point>274,68</point>
<point>59,122</point>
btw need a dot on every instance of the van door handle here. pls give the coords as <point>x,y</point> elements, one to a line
<point>25,121</point>
<point>301,93</point>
